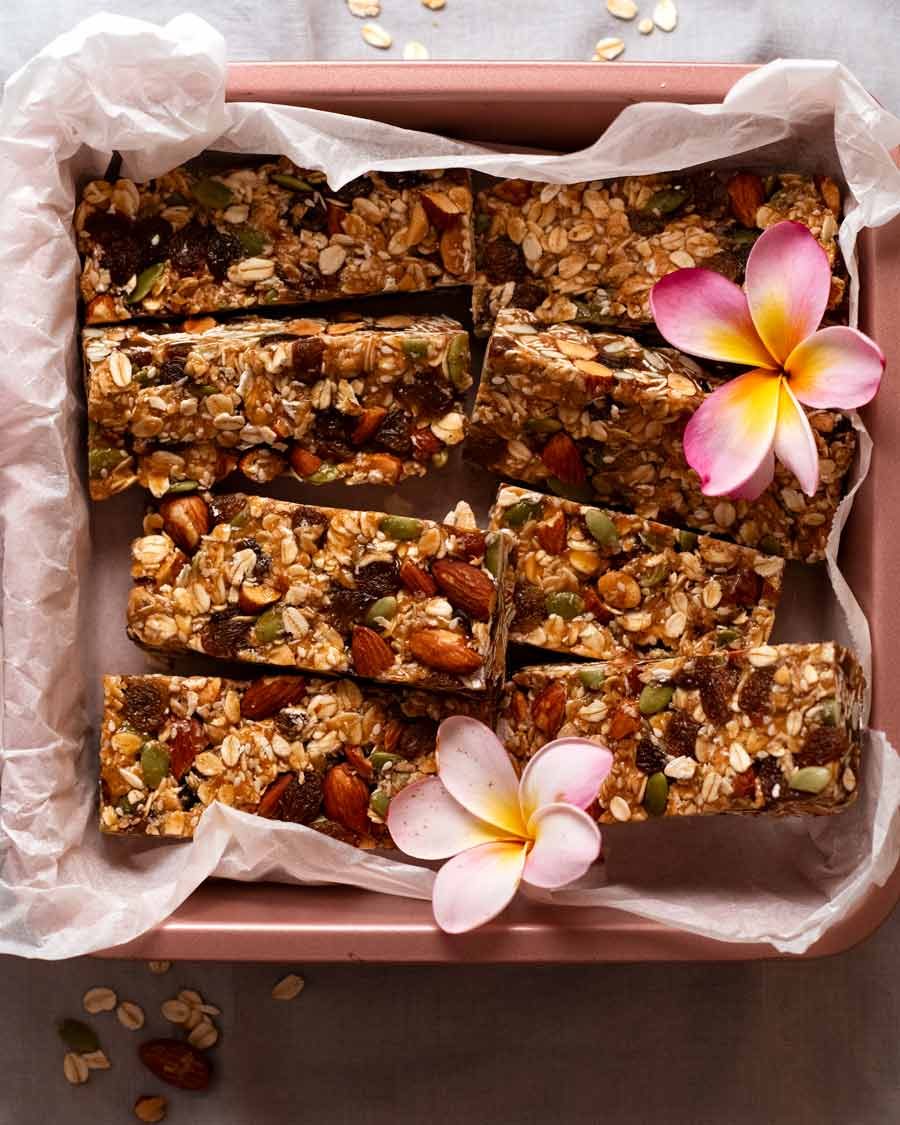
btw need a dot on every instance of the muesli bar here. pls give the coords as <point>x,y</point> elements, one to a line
<point>360,400</point>
<point>199,239</point>
<point>772,729</point>
<point>602,418</point>
<point>591,252</point>
<point>386,597</point>
<point>601,584</point>
<point>326,753</point>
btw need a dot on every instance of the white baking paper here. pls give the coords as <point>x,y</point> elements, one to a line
<point>157,96</point>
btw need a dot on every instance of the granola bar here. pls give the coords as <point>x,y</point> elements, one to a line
<point>601,584</point>
<point>601,417</point>
<point>591,252</point>
<point>362,401</point>
<point>267,233</point>
<point>387,597</point>
<point>772,729</point>
<point>326,753</point>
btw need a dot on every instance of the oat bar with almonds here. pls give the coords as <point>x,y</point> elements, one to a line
<point>326,753</point>
<point>360,400</point>
<point>265,232</point>
<point>772,729</point>
<point>601,418</point>
<point>591,252</point>
<point>601,584</point>
<point>391,598</point>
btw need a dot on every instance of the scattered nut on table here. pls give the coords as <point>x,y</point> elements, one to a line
<point>289,987</point>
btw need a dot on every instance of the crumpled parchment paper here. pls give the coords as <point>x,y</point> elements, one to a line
<point>156,94</point>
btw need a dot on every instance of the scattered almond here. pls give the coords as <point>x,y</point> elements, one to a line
<point>608,49</point>
<point>551,534</point>
<point>254,599</point>
<point>417,580</point>
<point>178,1063</point>
<point>454,248</point>
<point>346,799</point>
<point>289,987</point>
<point>98,1000</point>
<point>665,15</point>
<point>440,209</point>
<point>376,36</point>
<point>150,1108</point>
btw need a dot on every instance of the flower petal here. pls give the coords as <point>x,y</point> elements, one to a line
<point>566,843</point>
<point>787,281</point>
<point>837,367</point>
<point>755,485</point>
<point>476,770</point>
<point>795,445</point>
<point>569,769</point>
<point>729,437</point>
<point>426,822</point>
<point>703,313</point>
<point>475,886</point>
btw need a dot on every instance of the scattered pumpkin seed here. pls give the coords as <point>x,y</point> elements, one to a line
<point>154,763</point>
<point>654,541</point>
<point>400,527</point>
<point>543,425</point>
<point>252,241</point>
<point>325,474</point>
<point>212,193</point>
<point>565,604</point>
<point>380,758</point>
<point>492,555</point>
<point>104,460</point>
<point>656,794</point>
<point>655,697</point>
<point>379,803</point>
<point>271,297</point>
<point>592,677</point>
<point>687,540</point>
<point>384,608</point>
<point>830,712</point>
<point>810,779</point>
<point>602,528</point>
<point>518,514</point>
<point>457,361</point>
<point>78,1036</point>
<point>144,283</point>
<point>269,626</point>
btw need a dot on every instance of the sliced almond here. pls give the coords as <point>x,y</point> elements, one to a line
<point>608,49</point>
<point>376,36</point>
<point>289,987</point>
<point>622,9</point>
<point>364,9</point>
<point>665,15</point>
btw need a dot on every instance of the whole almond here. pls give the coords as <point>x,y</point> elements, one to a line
<point>454,248</point>
<point>175,1062</point>
<point>367,423</point>
<point>624,722</point>
<point>185,519</point>
<point>346,799</point>
<point>551,534</point>
<point>187,738</point>
<point>254,599</point>
<point>444,650</point>
<point>548,708</point>
<point>417,580</point>
<point>357,759</point>
<point>562,458</point>
<point>271,799</point>
<point>371,654</point>
<point>269,695</point>
<point>466,587</point>
<point>746,192</point>
<point>440,209</point>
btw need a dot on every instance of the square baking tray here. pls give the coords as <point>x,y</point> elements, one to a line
<point>556,106</point>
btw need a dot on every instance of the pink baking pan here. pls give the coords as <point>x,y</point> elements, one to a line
<point>554,106</point>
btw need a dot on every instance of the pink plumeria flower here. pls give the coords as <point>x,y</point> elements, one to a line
<point>499,829</point>
<point>770,325</point>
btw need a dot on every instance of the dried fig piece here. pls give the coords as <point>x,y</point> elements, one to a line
<point>503,261</point>
<point>756,694</point>
<point>379,578</point>
<point>681,735</point>
<point>823,744</point>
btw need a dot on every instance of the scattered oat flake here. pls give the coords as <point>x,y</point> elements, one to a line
<point>376,36</point>
<point>665,15</point>
<point>645,26</point>
<point>130,1015</point>
<point>434,5</point>
<point>415,50</point>
<point>288,987</point>
<point>364,9</point>
<point>75,1068</point>
<point>159,967</point>
<point>608,49</point>
<point>622,9</point>
<point>150,1108</point>
<point>204,1035</point>
<point>96,1060</point>
<point>98,1000</point>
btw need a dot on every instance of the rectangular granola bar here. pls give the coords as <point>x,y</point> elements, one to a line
<point>591,252</point>
<point>601,584</point>
<point>361,400</point>
<point>772,729</point>
<point>265,232</point>
<point>391,598</point>
<point>601,417</point>
<point>326,753</point>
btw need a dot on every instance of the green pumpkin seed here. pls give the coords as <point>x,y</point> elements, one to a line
<point>565,604</point>
<point>743,236</point>
<point>379,803</point>
<point>252,241</point>
<point>415,348</point>
<point>482,222</point>
<point>602,529</point>
<point>384,608</point>
<point>154,763</point>
<point>400,527</point>
<point>78,1036</point>
<point>654,541</point>
<point>580,493</point>
<point>543,425</point>
<point>811,779</point>
<point>269,626</point>
<point>123,804</point>
<point>380,758</point>
<point>294,183</point>
<point>212,193</point>
<point>204,389</point>
<point>325,474</point>
<point>655,576</point>
<point>183,486</point>
<point>440,459</point>
<point>830,712</point>
<point>726,637</point>
<point>239,519</point>
<point>104,460</point>
<point>687,540</point>
<point>655,697</point>
<point>592,677</point>
<point>457,362</point>
<point>271,297</point>
<point>665,202</point>
<point>518,514</point>
<point>493,554</point>
<point>144,284</point>
<point>656,794</point>
<point>770,545</point>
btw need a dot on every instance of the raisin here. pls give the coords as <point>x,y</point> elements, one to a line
<point>223,509</point>
<point>709,195</point>
<point>347,607</point>
<point>311,278</point>
<point>503,261</point>
<point>187,797</point>
<point>308,517</point>
<point>187,248</point>
<point>362,185</point>
<point>225,634</point>
<point>312,214</point>
<point>650,757</point>
<point>646,224</point>
<point>822,745</point>
<point>528,295</point>
<point>427,396</point>
<point>152,236</point>
<point>417,738</point>
<point>108,227</point>
<point>716,682</point>
<point>401,180</point>
<point>727,264</point>
<point>484,446</point>
<point>143,705</point>
<point>291,724</point>
<point>469,544</point>
<point>301,800</point>
<point>393,433</point>
<point>531,607</point>
<point>122,259</point>
<point>681,735</point>
<point>140,359</point>
<point>277,338</point>
<point>756,694</point>
<point>741,589</point>
<point>170,371</point>
<point>425,444</point>
<point>771,778</point>
<point>379,578</point>
<point>222,249</point>
<point>263,563</point>
<point>306,358</point>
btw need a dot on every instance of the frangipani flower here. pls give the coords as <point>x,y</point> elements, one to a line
<point>499,829</point>
<point>770,325</point>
